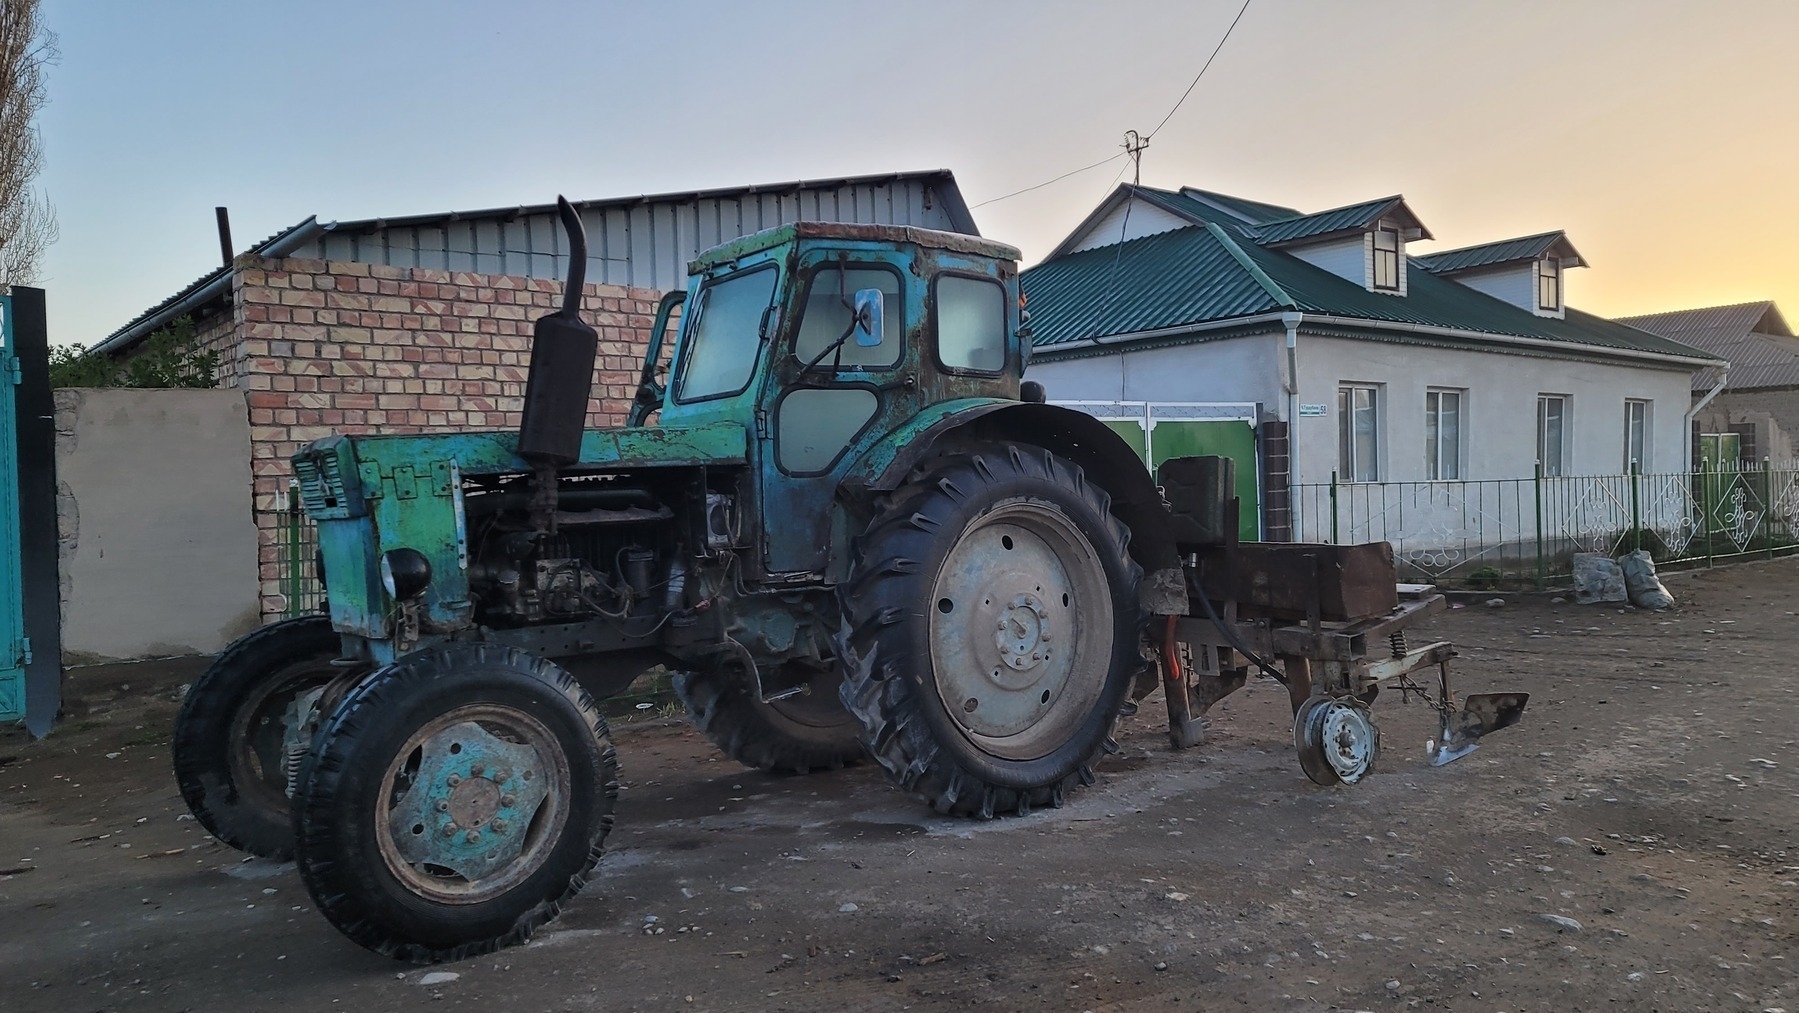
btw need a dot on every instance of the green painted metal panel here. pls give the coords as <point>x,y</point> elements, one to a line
<point>1233,439</point>
<point>496,453</point>
<point>1133,434</point>
<point>13,646</point>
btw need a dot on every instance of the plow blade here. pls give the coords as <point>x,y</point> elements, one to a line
<point>1481,713</point>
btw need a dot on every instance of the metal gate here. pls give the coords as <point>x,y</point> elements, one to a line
<point>15,650</point>
<point>1160,430</point>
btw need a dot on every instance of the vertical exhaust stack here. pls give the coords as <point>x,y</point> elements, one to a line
<point>562,357</point>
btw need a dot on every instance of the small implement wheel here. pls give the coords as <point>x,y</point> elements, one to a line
<point>454,801</point>
<point>991,627</point>
<point>245,724</point>
<point>797,734</point>
<point>1336,740</point>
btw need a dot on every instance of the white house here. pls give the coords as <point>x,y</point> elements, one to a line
<point>1372,365</point>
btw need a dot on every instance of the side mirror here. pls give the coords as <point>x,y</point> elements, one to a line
<point>870,312</point>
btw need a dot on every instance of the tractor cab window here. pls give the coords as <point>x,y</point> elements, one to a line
<point>724,332</point>
<point>829,304</point>
<point>971,324</point>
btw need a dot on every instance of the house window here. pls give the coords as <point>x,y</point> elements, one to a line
<point>1443,435</point>
<point>1636,434</point>
<point>1549,285</point>
<point>1386,259</point>
<point>1552,434</point>
<point>1358,433</point>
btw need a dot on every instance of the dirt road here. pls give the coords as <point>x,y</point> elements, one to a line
<point>1650,795</point>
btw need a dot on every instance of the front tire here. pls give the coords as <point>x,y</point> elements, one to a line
<point>796,735</point>
<point>454,802</point>
<point>991,628</point>
<point>231,742</point>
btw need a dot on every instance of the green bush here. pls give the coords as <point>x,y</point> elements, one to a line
<point>1487,578</point>
<point>169,357</point>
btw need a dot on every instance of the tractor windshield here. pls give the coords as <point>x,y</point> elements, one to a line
<point>723,335</point>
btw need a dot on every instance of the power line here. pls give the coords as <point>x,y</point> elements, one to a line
<point>1058,179</point>
<point>1202,70</point>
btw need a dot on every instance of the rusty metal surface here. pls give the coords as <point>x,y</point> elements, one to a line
<point>1328,583</point>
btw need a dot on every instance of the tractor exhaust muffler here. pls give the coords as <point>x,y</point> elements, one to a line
<point>560,381</point>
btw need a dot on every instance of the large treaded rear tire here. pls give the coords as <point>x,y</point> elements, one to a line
<point>228,734</point>
<point>406,729</point>
<point>794,736</point>
<point>894,682</point>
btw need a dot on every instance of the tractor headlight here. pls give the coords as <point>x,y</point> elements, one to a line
<point>405,573</point>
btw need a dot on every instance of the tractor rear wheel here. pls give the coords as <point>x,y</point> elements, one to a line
<point>454,801</point>
<point>796,735</point>
<point>243,727</point>
<point>991,628</point>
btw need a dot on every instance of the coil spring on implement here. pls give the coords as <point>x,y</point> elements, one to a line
<point>1397,640</point>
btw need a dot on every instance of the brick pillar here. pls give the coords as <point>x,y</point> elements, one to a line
<point>1277,469</point>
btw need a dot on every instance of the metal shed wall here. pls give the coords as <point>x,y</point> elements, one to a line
<point>643,242</point>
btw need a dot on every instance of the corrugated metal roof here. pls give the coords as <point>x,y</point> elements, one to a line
<point>1193,277</point>
<point>1253,212</point>
<point>1355,216</point>
<point>643,241</point>
<point>1753,337</point>
<point>1165,280</point>
<point>1503,251</point>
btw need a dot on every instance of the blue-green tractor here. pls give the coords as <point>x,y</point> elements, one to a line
<point>851,530</point>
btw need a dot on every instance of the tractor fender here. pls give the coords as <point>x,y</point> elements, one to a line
<point>1102,454</point>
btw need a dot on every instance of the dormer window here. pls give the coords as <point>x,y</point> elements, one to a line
<point>1386,260</point>
<point>1549,285</point>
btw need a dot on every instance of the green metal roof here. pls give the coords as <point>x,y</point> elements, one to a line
<point>1504,251</point>
<point>1165,280</point>
<point>1252,211</point>
<point>1210,274</point>
<point>1355,216</point>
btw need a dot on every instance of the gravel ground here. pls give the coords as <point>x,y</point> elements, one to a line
<point>1627,847</point>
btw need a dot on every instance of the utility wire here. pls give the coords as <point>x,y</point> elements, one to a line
<point>1058,179</point>
<point>1202,69</point>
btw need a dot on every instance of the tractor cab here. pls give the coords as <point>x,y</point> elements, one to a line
<point>822,340</point>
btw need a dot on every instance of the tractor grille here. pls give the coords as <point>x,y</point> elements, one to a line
<point>322,486</point>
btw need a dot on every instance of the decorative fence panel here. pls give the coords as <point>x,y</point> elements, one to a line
<point>1527,530</point>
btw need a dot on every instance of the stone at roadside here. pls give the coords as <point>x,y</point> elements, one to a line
<point>1598,578</point>
<point>1560,922</point>
<point>439,978</point>
<point>1641,584</point>
<point>1496,603</point>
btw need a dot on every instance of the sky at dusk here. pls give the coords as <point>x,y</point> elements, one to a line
<point>1661,135</point>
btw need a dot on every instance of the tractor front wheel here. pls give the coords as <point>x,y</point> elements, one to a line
<point>454,802</point>
<point>244,726</point>
<point>797,734</point>
<point>991,628</point>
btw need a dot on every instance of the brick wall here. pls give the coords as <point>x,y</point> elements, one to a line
<point>325,347</point>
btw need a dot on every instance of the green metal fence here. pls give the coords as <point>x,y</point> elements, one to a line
<point>1522,532</point>
<point>297,546</point>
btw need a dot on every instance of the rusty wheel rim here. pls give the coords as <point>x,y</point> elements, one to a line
<point>1020,626</point>
<point>473,804</point>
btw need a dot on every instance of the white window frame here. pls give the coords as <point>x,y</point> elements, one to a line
<point>1350,466</point>
<point>1647,411</point>
<point>1549,272</point>
<point>1557,468</point>
<point>1398,253</point>
<point>1435,448</point>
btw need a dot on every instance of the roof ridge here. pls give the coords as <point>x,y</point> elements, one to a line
<point>1699,309</point>
<point>1341,207</point>
<point>1238,254</point>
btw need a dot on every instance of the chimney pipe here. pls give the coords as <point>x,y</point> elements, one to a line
<point>224,217</point>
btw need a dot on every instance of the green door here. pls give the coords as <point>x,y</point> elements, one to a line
<point>1133,434</point>
<point>1232,438</point>
<point>14,649</point>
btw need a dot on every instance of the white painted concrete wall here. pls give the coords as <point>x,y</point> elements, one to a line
<point>158,549</point>
<point>1232,369</point>
<point>1146,220</point>
<point>1500,408</point>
